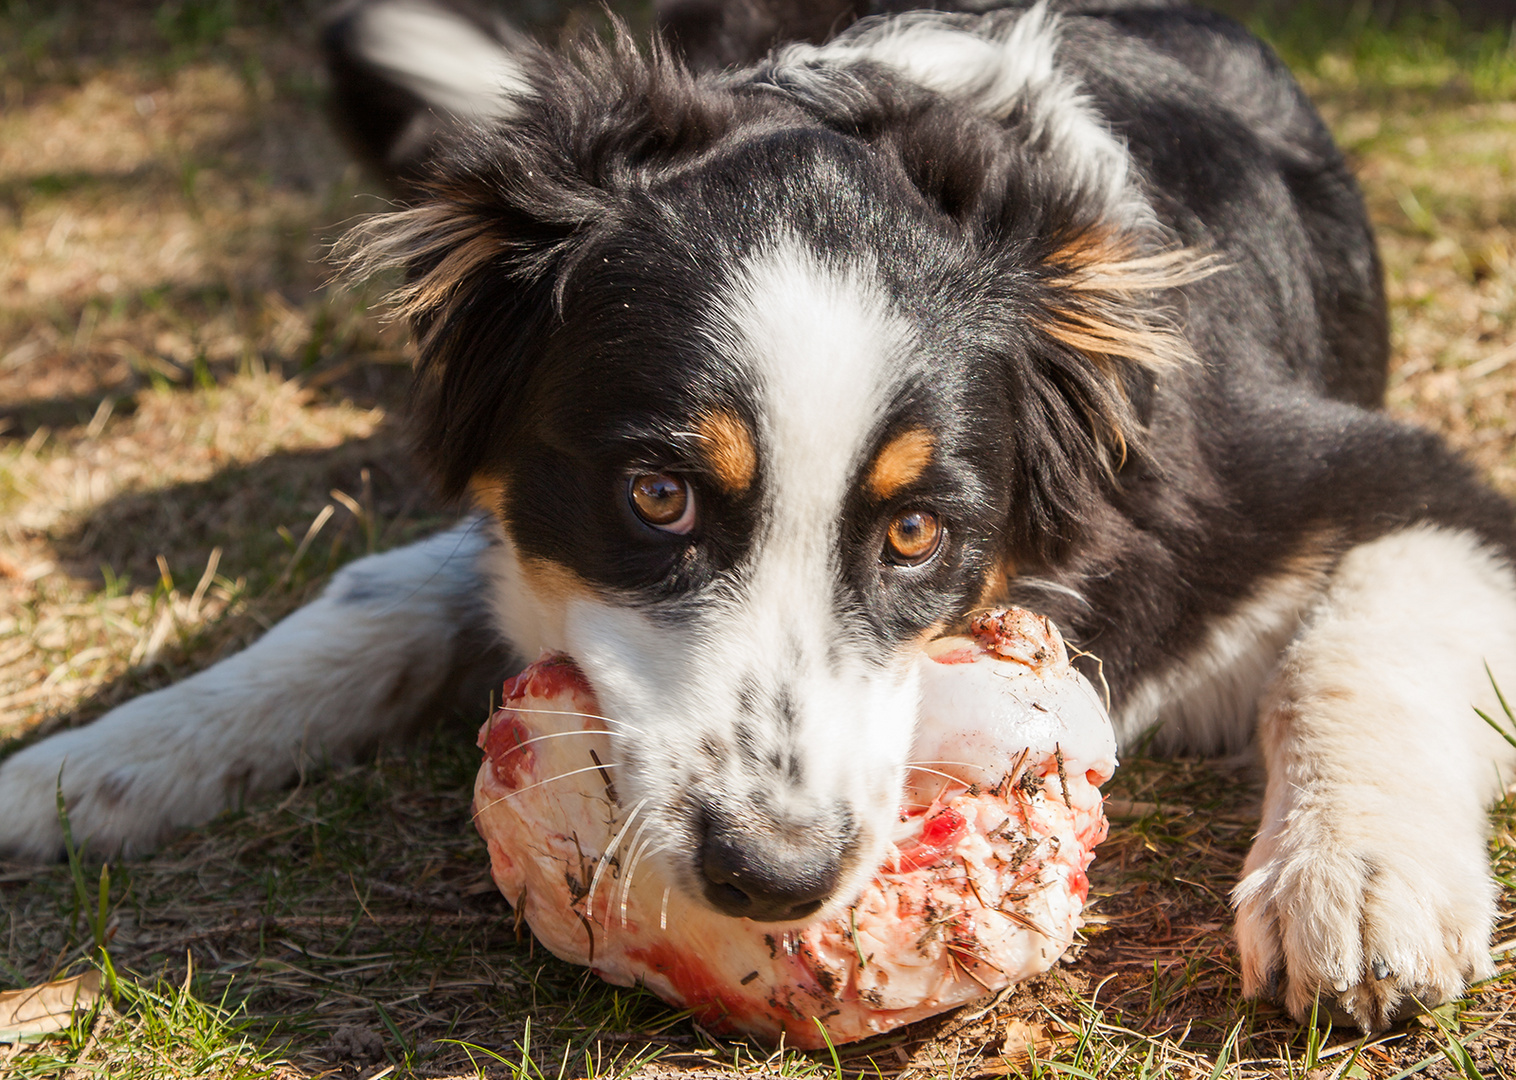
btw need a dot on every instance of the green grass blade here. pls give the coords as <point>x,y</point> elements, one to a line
<point>1453,1049</point>
<point>75,864</point>
<point>103,907</point>
<point>384,1018</point>
<point>1504,707</point>
<point>831,1049</point>
<point>1314,1039</point>
<point>1502,732</point>
<point>108,969</point>
<point>1346,1070</point>
<point>1226,1051</point>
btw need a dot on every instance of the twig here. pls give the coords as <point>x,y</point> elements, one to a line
<point>310,534</point>
<point>193,612</point>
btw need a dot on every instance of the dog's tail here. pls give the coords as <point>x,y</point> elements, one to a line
<point>403,72</point>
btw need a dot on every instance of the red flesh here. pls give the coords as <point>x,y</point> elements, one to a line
<point>941,832</point>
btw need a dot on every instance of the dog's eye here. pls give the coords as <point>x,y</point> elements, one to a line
<point>913,538</point>
<point>663,501</point>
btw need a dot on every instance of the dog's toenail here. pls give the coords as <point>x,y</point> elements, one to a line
<point>1381,970</point>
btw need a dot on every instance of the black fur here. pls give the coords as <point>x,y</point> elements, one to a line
<point>620,198</point>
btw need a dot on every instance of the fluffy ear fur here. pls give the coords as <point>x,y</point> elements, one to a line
<point>1109,299</point>
<point>1106,300</point>
<point>500,217</point>
<point>1105,327</point>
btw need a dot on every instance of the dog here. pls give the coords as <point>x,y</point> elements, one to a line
<point>763,376</point>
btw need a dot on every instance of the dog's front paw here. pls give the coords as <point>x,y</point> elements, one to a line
<point>29,827</point>
<point>129,780</point>
<point>116,804</point>
<point>1377,915</point>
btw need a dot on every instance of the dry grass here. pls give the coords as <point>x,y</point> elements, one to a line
<point>180,397</point>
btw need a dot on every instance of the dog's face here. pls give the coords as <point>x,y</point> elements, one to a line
<point>761,406</point>
<point>746,484</point>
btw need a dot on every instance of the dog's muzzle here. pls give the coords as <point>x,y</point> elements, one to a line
<point>771,870</point>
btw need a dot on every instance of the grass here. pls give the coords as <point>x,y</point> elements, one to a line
<point>182,398</point>
<point>1426,51</point>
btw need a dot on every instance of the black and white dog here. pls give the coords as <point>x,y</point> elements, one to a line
<point>766,376</point>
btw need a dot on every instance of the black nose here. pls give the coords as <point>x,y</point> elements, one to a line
<point>770,874</point>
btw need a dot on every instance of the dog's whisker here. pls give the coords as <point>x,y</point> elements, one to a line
<point>935,772</point>
<point>549,780</point>
<point>638,843</point>
<point>631,866</point>
<point>663,908</point>
<point>647,852</point>
<point>605,856</point>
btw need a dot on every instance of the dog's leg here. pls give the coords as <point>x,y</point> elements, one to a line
<point>357,664</point>
<point>1369,882</point>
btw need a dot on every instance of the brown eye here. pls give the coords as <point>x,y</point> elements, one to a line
<point>663,501</point>
<point>913,538</point>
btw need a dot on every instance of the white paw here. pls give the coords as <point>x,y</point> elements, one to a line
<point>29,828</point>
<point>129,780</point>
<point>1379,915</point>
<point>93,792</point>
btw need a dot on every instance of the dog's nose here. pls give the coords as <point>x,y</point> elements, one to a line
<point>772,875</point>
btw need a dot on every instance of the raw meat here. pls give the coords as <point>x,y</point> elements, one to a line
<point>984,887</point>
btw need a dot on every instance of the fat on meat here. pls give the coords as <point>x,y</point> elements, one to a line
<point>984,886</point>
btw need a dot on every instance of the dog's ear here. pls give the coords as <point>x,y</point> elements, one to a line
<point>1101,325</point>
<point>477,258</point>
<point>500,219</point>
<point>1110,295</point>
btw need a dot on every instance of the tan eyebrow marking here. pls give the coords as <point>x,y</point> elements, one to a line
<point>902,461</point>
<point>726,443</point>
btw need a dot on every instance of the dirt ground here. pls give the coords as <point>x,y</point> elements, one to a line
<point>196,428</point>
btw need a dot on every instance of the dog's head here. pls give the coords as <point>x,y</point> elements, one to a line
<point>768,378</point>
